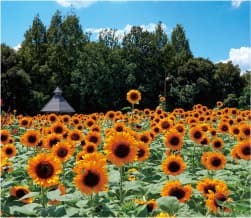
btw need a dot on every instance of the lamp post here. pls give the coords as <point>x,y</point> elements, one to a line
<point>167,78</point>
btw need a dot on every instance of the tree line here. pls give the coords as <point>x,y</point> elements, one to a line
<point>96,75</point>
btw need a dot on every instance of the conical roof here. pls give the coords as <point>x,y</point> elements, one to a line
<point>58,104</point>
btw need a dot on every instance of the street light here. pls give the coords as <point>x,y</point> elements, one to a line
<point>167,78</point>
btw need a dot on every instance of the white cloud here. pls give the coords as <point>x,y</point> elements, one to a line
<point>121,32</point>
<point>17,47</point>
<point>81,3</point>
<point>237,3</point>
<point>240,56</point>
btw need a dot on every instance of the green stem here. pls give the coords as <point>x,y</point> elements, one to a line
<point>193,159</point>
<point>92,205</point>
<point>43,197</point>
<point>121,185</point>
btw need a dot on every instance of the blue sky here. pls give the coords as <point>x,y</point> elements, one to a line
<point>219,31</point>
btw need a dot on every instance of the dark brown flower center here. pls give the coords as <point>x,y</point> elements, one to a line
<point>216,161</point>
<point>122,150</point>
<point>62,152</point>
<point>52,118</point>
<point>134,96</point>
<point>174,141</point>
<point>91,179</point>
<point>224,128</point>
<point>247,132</point>
<point>246,150</point>
<point>217,144</point>
<point>53,141</point>
<point>20,193</point>
<point>32,138</point>
<point>93,139</point>
<point>173,166</point>
<point>44,170</point>
<point>209,187</point>
<point>177,192</point>
<point>90,149</point>
<point>150,207</point>
<point>219,197</point>
<point>119,129</point>
<point>75,137</point>
<point>4,138</point>
<point>9,151</point>
<point>76,121</point>
<point>58,129</point>
<point>197,135</point>
<point>144,139</point>
<point>165,125</point>
<point>141,153</point>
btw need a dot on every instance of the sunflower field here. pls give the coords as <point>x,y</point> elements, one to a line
<point>139,163</point>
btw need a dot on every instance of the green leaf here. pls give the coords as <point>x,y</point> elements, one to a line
<point>168,204</point>
<point>28,209</point>
<point>53,195</point>
<point>141,211</point>
<point>72,211</point>
<point>29,195</point>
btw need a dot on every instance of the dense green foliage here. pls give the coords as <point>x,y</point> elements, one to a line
<point>95,74</point>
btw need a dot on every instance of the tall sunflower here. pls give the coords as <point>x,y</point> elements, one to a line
<point>176,189</point>
<point>121,148</point>
<point>58,128</point>
<point>52,139</point>
<point>217,143</point>
<point>75,135</point>
<point>5,135</point>
<point>173,140</point>
<point>63,151</point>
<point>213,199</point>
<point>93,137</point>
<point>93,179</point>
<point>243,149</point>
<point>206,185</point>
<point>19,192</point>
<point>90,148</point>
<point>8,150</point>
<point>44,169</point>
<point>133,96</point>
<point>143,152</point>
<point>30,138</point>
<point>245,130</point>
<point>144,137</point>
<point>173,165</point>
<point>214,160</point>
<point>196,134</point>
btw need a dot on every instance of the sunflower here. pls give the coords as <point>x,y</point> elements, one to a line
<point>121,148</point>
<point>217,143</point>
<point>110,115</point>
<point>234,153</point>
<point>90,148</point>
<point>204,141</point>
<point>245,131</point>
<point>89,122</point>
<point>95,128</point>
<point>196,134</point>
<point>214,160</point>
<point>244,149</point>
<point>144,137</point>
<point>93,137</point>
<point>75,135</point>
<point>224,127</point>
<point>65,119</point>
<point>143,152</point>
<point>25,122</point>
<point>30,138</point>
<point>207,185</point>
<point>133,96</point>
<point>58,128</point>
<point>93,179</point>
<point>63,151</point>
<point>173,165</point>
<point>180,128</point>
<point>173,140</point>
<point>151,205</point>
<point>8,150</point>
<point>5,136</point>
<point>19,192</point>
<point>175,188</point>
<point>235,130</point>
<point>43,169</point>
<point>51,140</point>
<point>164,215</point>
<point>75,121</point>
<point>165,124</point>
<point>80,155</point>
<point>119,127</point>
<point>219,103</point>
<point>52,118</point>
<point>213,199</point>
